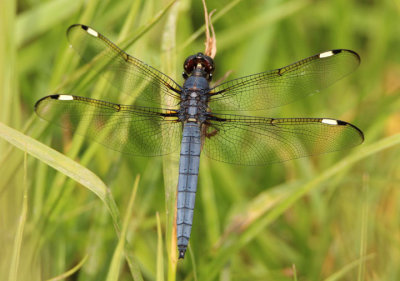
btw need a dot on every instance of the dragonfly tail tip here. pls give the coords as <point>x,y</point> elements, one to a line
<point>182,253</point>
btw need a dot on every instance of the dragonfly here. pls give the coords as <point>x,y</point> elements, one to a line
<point>197,117</point>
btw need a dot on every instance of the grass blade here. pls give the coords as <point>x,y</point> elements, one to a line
<point>170,162</point>
<point>284,202</point>
<point>70,272</point>
<point>341,273</point>
<point>115,267</point>
<point>160,263</point>
<point>13,273</point>
<point>36,21</point>
<point>62,164</point>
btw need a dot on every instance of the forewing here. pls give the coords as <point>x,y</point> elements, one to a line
<point>129,129</point>
<point>284,85</point>
<point>126,73</point>
<point>246,140</point>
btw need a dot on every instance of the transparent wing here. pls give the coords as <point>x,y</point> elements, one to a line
<point>134,130</point>
<point>284,85</point>
<point>246,140</point>
<point>125,72</point>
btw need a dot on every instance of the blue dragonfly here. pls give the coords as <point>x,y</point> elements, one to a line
<point>199,118</point>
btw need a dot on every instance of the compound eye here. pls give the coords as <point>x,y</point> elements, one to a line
<point>210,64</point>
<point>189,64</point>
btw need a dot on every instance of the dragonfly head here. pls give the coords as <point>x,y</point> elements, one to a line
<point>198,65</point>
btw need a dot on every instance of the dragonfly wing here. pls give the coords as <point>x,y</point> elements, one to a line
<point>126,73</point>
<point>284,85</point>
<point>129,129</point>
<point>247,140</point>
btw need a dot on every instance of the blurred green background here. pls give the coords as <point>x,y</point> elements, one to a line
<point>329,217</point>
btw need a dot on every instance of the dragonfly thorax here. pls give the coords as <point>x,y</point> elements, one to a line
<point>193,107</point>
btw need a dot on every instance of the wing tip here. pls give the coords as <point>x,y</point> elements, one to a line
<point>338,51</point>
<point>54,97</point>
<point>37,104</point>
<point>86,28</point>
<point>360,133</point>
<point>74,26</point>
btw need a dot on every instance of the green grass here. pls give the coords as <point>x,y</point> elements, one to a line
<point>89,213</point>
